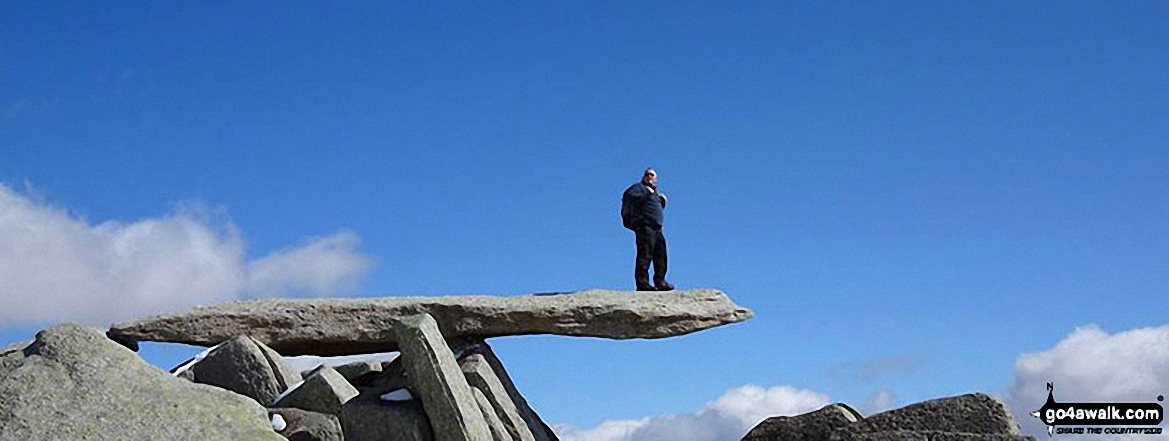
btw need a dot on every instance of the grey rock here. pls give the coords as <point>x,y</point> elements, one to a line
<point>970,413</point>
<point>246,367</point>
<point>324,391</point>
<point>539,429</point>
<point>925,435</point>
<point>362,325</point>
<point>74,383</point>
<point>436,378</point>
<point>285,374</point>
<point>302,425</point>
<point>812,426</point>
<point>392,377</point>
<point>367,418</point>
<point>354,371</point>
<point>498,431</point>
<point>480,375</point>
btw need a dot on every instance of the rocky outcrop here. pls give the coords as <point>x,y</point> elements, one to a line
<point>812,426</point>
<point>244,366</point>
<point>970,413</point>
<point>324,391</point>
<point>436,378</point>
<point>357,326</point>
<point>97,388</point>
<point>74,383</point>
<point>971,417</point>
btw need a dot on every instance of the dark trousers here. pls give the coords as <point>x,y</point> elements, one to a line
<point>651,245</point>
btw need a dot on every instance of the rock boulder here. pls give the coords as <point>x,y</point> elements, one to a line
<point>812,426</point>
<point>74,383</point>
<point>970,413</point>
<point>324,391</point>
<point>244,366</point>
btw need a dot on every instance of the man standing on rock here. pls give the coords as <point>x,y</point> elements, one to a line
<point>641,211</point>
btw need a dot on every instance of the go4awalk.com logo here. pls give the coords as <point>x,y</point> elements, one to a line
<point>1055,414</point>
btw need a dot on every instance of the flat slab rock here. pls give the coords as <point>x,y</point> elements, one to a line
<point>363,325</point>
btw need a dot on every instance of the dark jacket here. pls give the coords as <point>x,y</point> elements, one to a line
<point>641,206</point>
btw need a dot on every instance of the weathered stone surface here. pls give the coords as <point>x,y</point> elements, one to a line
<point>480,375</point>
<point>970,413</point>
<point>812,426</point>
<point>74,383</point>
<point>324,391</point>
<point>302,425</point>
<point>367,418</point>
<point>357,326</point>
<point>498,431</point>
<point>246,367</point>
<point>356,370</point>
<point>536,425</point>
<point>392,377</point>
<point>435,376</point>
<point>285,374</point>
<point>925,435</point>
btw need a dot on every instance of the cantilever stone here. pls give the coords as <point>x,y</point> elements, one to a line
<point>363,325</point>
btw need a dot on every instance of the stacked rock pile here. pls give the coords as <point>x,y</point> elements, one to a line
<point>971,417</point>
<point>73,382</point>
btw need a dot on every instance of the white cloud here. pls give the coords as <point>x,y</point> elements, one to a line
<point>879,401</point>
<point>322,265</point>
<point>55,266</point>
<point>726,419</point>
<point>1090,365</point>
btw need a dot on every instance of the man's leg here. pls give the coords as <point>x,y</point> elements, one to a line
<point>659,259</point>
<point>644,238</point>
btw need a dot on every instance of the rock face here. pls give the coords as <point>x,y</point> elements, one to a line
<point>325,391</point>
<point>74,383</point>
<point>246,367</point>
<point>357,326</point>
<point>812,426</point>
<point>436,378</point>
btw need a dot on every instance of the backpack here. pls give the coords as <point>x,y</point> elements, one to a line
<point>626,213</point>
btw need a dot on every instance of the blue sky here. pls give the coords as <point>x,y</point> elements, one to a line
<point>908,195</point>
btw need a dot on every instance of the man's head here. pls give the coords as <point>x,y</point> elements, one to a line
<point>650,177</point>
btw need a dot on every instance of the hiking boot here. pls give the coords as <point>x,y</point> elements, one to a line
<point>645,288</point>
<point>664,286</point>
